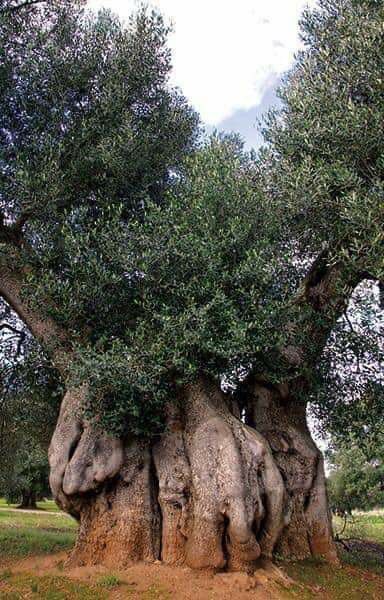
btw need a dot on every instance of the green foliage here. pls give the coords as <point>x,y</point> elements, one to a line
<point>324,167</point>
<point>29,401</point>
<point>28,479</point>
<point>356,450</point>
<point>209,254</point>
<point>347,414</point>
<point>213,270</point>
<point>325,153</point>
<point>347,400</point>
<point>91,132</point>
<point>356,482</point>
<point>163,258</point>
<point>204,287</point>
<point>87,117</point>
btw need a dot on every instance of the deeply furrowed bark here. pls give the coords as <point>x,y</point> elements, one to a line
<point>212,493</point>
<point>282,421</point>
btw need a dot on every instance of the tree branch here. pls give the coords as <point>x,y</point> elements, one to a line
<point>54,338</point>
<point>10,328</point>
<point>13,234</point>
<point>324,293</point>
<point>23,5</point>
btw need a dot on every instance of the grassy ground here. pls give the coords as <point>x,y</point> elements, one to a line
<point>362,541</point>
<point>315,580</point>
<point>25,585</point>
<point>367,526</point>
<point>362,554</point>
<point>26,534</point>
<point>53,587</point>
<point>47,505</point>
<point>21,586</point>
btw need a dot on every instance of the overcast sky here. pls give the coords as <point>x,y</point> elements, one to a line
<point>228,55</point>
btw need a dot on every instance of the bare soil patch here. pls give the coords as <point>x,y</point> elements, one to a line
<point>158,581</point>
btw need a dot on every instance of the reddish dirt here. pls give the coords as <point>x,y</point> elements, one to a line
<point>176,583</point>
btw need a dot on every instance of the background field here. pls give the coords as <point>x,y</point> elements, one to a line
<point>46,505</point>
<point>24,533</point>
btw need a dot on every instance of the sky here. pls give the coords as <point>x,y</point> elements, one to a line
<point>228,56</point>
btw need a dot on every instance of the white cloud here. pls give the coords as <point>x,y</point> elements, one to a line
<point>224,52</point>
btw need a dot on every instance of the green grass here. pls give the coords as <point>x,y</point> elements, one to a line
<point>59,521</point>
<point>46,505</point>
<point>316,579</point>
<point>25,585</point>
<point>109,581</point>
<point>19,586</point>
<point>25,534</point>
<point>30,542</point>
<point>365,526</point>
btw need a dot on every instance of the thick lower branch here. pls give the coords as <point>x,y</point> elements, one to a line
<point>52,337</point>
<point>322,298</point>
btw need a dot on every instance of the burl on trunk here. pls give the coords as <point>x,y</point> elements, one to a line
<point>216,491</point>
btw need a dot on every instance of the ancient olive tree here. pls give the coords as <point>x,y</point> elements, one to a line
<point>186,290</point>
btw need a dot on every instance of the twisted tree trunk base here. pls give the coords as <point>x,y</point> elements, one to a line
<point>212,493</point>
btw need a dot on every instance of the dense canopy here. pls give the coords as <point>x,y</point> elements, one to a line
<point>165,259</point>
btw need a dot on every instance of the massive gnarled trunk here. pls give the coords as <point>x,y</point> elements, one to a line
<point>215,491</point>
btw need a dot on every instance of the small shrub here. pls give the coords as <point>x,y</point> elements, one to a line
<point>7,574</point>
<point>109,581</point>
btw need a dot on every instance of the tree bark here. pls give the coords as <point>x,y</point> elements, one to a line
<point>213,492</point>
<point>28,500</point>
<point>280,415</point>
